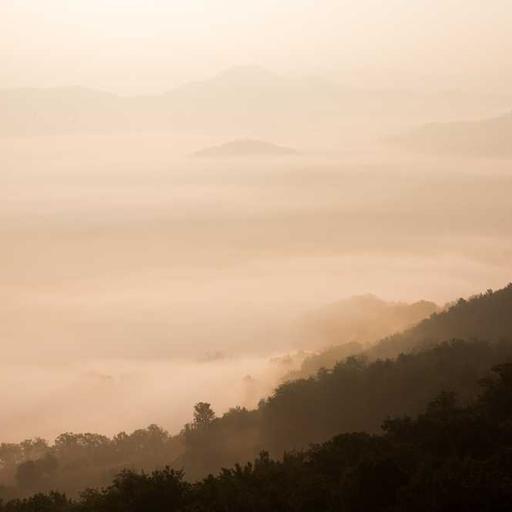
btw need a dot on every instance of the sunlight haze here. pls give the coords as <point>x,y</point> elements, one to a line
<point>138,46</point>
<point>276,231</point>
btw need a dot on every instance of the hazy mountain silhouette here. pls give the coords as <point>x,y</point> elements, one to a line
<point>245,148</point>
<point>486,138</point>
<point>50,111</point>
<point>348,326</point>
<point>365,318</point>
<point>243,98</point>
<point>486,317</point>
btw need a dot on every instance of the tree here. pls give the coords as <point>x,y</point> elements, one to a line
<point>203,414</point>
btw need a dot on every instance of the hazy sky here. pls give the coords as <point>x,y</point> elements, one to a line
<point>135,46</point>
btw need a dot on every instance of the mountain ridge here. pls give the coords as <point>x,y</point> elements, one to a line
<point>245,97</point>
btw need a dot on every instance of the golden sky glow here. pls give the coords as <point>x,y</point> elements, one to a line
<point>145,46</point>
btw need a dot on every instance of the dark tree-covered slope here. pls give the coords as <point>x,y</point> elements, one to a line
<point>355,395</point>
<point>450,457</point>
<point>487,316</point>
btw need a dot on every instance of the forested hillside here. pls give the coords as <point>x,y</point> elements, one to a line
<point>356,395</point>
<point>483,317</point>
<point>486,316</point>
<point>450,457</point>
<point>77,460</point>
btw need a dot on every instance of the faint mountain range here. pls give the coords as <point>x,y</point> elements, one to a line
<point>51,111</point>
<point>486,138</point>
<point>245,148</point>
<point>247,98</point>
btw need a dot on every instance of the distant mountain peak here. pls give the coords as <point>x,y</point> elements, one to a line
<point>245,148</point>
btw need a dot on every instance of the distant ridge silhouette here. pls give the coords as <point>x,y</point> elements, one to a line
<point>487,138</point>
<point>244,148</point>
<point>239,99</point>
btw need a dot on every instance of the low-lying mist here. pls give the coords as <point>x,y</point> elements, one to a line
<point>137,280</point>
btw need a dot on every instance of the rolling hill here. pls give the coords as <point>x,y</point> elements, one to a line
<point>240,148</point>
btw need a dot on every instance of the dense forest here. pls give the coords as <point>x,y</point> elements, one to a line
<point>450,457</point>
<point>448,353</point>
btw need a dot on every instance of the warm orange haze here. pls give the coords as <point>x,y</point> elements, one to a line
<point>201,200</point>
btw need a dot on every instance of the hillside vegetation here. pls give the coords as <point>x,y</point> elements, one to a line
<point>450,457</point>
<point>483,317</point>
<point>356,395</point>
<point>349,326</point>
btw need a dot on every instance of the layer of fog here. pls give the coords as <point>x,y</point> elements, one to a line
<point>136,280</point>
